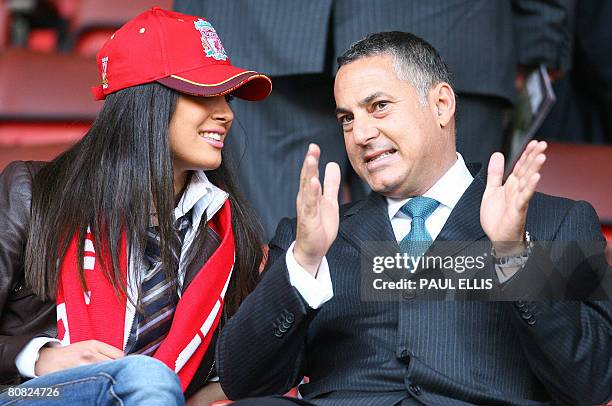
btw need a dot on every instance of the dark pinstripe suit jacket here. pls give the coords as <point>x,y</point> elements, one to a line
<point>359,352</point>
<point>481,40</point>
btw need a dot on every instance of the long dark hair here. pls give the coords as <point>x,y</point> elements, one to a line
<point>110,181</point>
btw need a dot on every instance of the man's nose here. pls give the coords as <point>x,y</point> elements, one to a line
<point>363,130</point>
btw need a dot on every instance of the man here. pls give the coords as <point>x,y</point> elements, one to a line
<point>583,111</point>
<point>309,317</point>
<point>296,42</point>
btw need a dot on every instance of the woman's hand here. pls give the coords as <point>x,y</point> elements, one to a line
<point>53,359</point>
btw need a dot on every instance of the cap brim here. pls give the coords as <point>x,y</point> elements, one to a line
<point>220,80</point>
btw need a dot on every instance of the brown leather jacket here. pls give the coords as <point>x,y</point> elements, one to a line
<point>22,315</point>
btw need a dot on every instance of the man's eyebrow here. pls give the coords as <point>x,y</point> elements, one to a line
<point>369,99</point>
<point>341,110</point>
<point>366,100</point>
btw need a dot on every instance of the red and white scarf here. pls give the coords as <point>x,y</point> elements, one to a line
<point>99,314</point>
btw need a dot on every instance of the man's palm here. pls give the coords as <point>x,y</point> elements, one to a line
<point>317,211</point>
<point>503,210</point>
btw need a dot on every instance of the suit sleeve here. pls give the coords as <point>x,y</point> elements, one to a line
<point>569,343</point>
<point>261,349</point>
<point>15,198</point>
<point>543,31</point>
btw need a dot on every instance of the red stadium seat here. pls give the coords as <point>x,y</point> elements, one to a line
<point>45,103</point>
<point>46,86</point>
<point>95,20</point>
<point>607,231</point>
<point>39,141</point>
<point>90,42</point>
<point>581,172</point>
<point>43,39</point>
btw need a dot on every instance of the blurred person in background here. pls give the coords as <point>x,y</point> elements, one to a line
<point>32,14</point>
<point>583,112</point>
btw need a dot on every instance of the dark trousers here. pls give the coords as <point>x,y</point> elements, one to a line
<point>285,401</point>
<point>272,401</point>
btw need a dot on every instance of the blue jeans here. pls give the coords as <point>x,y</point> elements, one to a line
<point>133,380</point>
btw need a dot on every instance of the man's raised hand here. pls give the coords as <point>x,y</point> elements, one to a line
<point>503,211</point>
<point>317,211</point>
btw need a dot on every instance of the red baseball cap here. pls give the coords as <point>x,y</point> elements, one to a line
<point>180,51</point>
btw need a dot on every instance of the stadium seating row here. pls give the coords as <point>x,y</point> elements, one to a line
<point>90,23</point>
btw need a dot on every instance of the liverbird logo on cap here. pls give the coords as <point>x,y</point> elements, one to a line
<point>104,66</point>
<point>210,40</point>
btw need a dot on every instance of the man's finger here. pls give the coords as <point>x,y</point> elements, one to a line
<point>522,164</point>
<point>312,197</point>
<point>310,193</point>
<point>312,168</point>
<point>535,166</point>
<point>303,173</point>
<point>315,152</point>
<point>535,163</point>
<point>309,168</point>
<point>527,193</point>
<point>533,152</point>
<point>496,170</point>
<point>537,148</point>
<point>331,182</point>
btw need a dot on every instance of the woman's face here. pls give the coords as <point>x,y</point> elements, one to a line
<point>197,131</point>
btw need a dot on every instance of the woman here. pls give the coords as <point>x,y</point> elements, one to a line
<point>136,239</point>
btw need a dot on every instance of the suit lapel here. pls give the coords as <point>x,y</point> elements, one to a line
<point>367,227</point>
<point>366,222</point>
<point>463,225</point>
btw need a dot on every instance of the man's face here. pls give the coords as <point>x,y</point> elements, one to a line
<point>394,142</point>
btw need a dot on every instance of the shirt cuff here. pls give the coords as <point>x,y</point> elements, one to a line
<point>27,357</point>
<point>315,290</point>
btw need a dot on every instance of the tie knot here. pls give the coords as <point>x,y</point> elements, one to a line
<point>183,222</point>
<point>420,207</point>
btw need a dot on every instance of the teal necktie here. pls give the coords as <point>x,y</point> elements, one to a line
<point>418,239</point>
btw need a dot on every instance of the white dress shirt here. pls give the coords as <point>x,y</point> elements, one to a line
<point>447,190</point>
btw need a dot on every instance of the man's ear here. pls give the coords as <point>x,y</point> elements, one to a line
<point>442,99</point>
